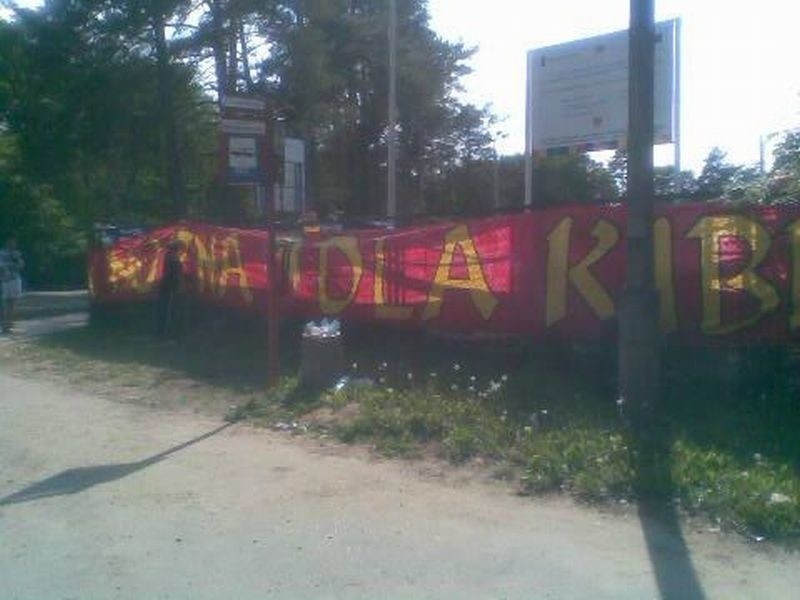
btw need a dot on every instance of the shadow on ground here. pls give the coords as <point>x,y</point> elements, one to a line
<point>73,481</point>
<point>654,488</point>
<point>215,348</point>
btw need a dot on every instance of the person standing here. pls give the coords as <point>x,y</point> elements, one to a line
<point>168,312</point>
<point>11,265</point>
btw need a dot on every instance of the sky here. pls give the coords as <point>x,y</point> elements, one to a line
<point>740,67</point>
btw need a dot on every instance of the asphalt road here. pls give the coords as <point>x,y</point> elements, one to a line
<point>100,499</point>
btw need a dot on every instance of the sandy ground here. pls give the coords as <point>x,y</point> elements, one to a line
<point>102,499</point>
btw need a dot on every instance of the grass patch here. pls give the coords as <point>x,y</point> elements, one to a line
<point>758,495</point>
<point>396,418</point>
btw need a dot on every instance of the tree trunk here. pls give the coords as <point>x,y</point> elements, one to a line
<point>169,130</point>
<point>218,46</point>
<point>245,57</point>
<point>233,65</point>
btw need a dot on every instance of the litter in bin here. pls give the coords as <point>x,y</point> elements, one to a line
<point>323,329</point>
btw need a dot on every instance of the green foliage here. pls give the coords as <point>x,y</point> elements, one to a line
<point>716,176</point>
<point>54,246</point>
<point>469,188</point>
<point>785,177</point>
<point>329,72</point>
<point>465,427</point>
<point>80,135</point>
<point>755,495</point>
<point>668,186</point>
<point>592,463</point>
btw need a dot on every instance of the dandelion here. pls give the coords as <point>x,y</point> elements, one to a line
<point>504,378</point>
<point>494,386</point>
<point>473,378</point>
<point>354,366</point>
<point>453,387</point>
<point>456,367</point>
<point>382,380</point>
<point>433,374</point>
<point>390,390</point>
<point>410,376</point>
<point>383,366</point>
<point>471,388</point>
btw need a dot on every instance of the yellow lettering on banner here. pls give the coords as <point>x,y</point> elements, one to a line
<point>560,274</point>
<point>710,230</point>
<point>152,274</point>
<point>206,267</point>
<point>349,247</point>
<point>294,266</point>
<point>382,309</point>
<point>123,270</point>
<point>665,282</point>
<point>481,295</point>
<point>794,319</point>
<point>232,265</point>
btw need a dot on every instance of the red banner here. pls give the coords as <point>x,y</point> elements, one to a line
<point>722,272</point>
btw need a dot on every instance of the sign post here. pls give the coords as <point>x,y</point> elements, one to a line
<point>391,138</point>
<point>244,127</point>
<point>639,359</point>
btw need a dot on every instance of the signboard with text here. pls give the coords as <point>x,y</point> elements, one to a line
<point>244,129</point>
<point>578,92</point>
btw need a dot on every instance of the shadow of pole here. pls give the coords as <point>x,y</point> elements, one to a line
<point>79,479</point>
<point>669,555</point>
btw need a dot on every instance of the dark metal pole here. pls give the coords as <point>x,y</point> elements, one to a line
<point>391,138</point>
<point>273,268</point>
<point>638,334</point>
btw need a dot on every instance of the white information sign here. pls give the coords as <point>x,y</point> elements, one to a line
<point>244,103</point>
<point>243,127</point>
<point>578,92</point>
<point>242,155</point>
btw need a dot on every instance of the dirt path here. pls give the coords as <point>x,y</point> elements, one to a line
<point>109,500</point>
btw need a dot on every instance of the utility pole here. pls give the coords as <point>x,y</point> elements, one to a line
<point>638,324</point>
<point>391,138</point>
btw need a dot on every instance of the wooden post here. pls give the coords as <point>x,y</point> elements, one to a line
<point>273,311</point>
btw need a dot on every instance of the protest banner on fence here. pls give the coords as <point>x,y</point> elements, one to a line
<point>723,272</point>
